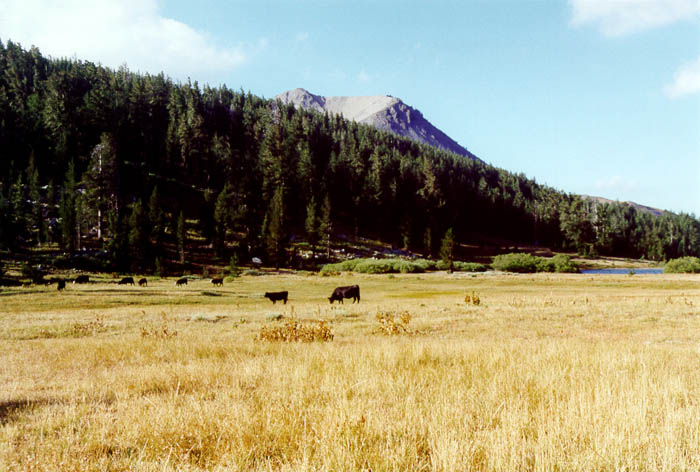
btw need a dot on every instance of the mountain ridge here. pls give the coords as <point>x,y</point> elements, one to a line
<point>384,112</point>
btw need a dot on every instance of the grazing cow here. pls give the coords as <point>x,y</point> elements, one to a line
<point>182,281</point>
<point>275,296</point>
<point>61,284</point>
<point>127,281</point>
<point>218,282</point>
<point>143,282</point>
<point>82,279</point>
<point>351,291</point>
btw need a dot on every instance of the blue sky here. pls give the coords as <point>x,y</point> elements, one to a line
<point>599,97</point>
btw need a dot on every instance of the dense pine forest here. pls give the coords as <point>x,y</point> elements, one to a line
<point>136,168</point>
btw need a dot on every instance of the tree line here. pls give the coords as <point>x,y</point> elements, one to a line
<point>135,165</point>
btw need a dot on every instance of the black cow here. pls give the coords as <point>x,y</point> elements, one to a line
<point>218,282</point>
<point>143,282</point>
<point>61,284</point>
<point>182,281</point>
<point>127,281</point>
<point>82,279</point>
<point>275,296</point>
<point>351,291</point>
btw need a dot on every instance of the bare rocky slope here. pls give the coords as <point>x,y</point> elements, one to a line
<point>384,112</point>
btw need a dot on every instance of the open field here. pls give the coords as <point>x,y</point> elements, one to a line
<point>548,372</point>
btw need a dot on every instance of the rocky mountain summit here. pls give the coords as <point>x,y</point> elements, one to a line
<point>384,112</point>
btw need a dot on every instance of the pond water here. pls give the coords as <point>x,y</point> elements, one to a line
<point>618,271</point>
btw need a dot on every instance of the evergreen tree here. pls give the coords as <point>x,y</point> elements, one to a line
<point>102,183</point>
<point>222,219</point>
<point>5,220</point>
<point>312,227</point>
<point>69,232</point>
<point>139,240</point>
<point>20,211</point>
<point>576,226</point>
<point>156,216</point>
<point>36,211</point>
<point>51,214</point>
<point>447,249</point>
<point>428,242</point>
<point>116,245</point>
<point>326,225</point>
<point>276,237</point>
<point>181,237</point>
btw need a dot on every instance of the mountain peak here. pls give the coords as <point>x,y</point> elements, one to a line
<point>384,112</point>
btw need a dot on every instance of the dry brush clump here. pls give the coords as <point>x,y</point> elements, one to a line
<point>97,325</point>
<point>159,331</point>
<point>472,299</point>
<point>392,323</point>
<point>294,330</point>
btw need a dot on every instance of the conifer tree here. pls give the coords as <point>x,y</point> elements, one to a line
<point>326,225</point>
<point>312,227</point>
<point>102,183</point>
<point>139,241</point>
<point>222,219</point>
<point>18,199</point>
<point>36,211</point>
<point>276,237</point>
<point>117,243</point>
<point>156,216</point>
<point>447,249</point>
<point>428,242</point>
<point>69,240</point>
<point>181,237</point>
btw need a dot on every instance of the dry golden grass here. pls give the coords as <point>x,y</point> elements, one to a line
<point>547,372</point>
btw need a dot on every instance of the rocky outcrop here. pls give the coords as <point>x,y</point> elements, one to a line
<point>384,112</point>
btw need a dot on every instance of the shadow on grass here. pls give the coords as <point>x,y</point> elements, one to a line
<point>10,409</point>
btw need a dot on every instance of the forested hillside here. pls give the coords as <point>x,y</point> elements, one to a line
<point>132,164</point>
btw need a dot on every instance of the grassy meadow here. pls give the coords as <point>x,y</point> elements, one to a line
<point>547,372</point>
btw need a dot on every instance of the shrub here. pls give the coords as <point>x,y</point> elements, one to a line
<point>371,266</point>
<point>469,267</point>
<point>515,262</point>
<point>404,266</point>
<point>522,262</point>
<point>563,263</point>
<point>684,265</point>
<point>33,273</point>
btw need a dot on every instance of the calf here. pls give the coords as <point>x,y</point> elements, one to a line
<point>351,291</point>
<point>218,282</point>
<point>275,296</point>
<point>82,279</point>
<point>182,281</point>
<point>61,284</point>
<point>143,282</point>
<point>127,281</point>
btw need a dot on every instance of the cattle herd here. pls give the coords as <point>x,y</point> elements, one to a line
<point>339,293</point>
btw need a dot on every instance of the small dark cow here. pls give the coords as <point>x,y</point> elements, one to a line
<point>275,296</point>
<point>127,281</point>
<point>82,279</point>
<point>182,281</point>
<point>351,291</point>
<point>143,282</point>
<point>218,282</point>
<point>61,284</point>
